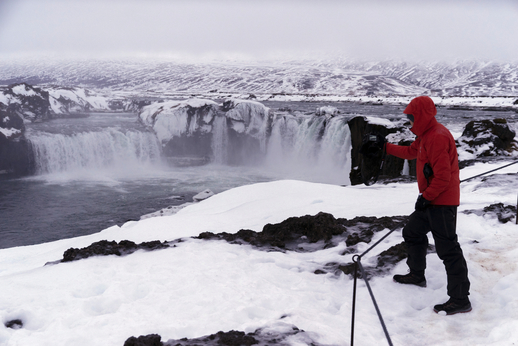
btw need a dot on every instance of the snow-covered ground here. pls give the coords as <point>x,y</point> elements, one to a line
<point>201,287</point>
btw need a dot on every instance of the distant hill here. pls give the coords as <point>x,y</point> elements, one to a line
<point>335,77</point>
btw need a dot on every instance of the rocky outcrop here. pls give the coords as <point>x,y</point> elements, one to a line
<point>144,340</point>
<point>307,233</point>
<point>183,127</point>
<point>486,138</point>
<point>317,232</point>
<point>105,248</point>
<point>32,103</point>
<point>504,213</point>
<point>232,133</point>
<point>14,324</point>
<point>249,126</point>
<point>15,151</point>
<point>278,334</point>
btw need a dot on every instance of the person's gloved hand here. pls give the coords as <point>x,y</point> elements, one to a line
<point>372,145</point>
<point>421,203</point>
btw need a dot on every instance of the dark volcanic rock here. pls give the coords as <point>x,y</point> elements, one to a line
<point>144,340</point>
<point>488,138</point>
<point>385,261</point>
<point>231,338</point>
<point>313,233</point>
<point>504,213</point>
<point>302,234</point>
<point>322,226</point>
<point>16,158</point>
<point>11,118</point>
<point>14,324</point>
<point>261,337</point>
<point>105,248</point>
<point>291,234</point>
<point>392,255</point>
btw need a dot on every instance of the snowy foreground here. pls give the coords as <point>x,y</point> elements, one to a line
<point>201,287</point>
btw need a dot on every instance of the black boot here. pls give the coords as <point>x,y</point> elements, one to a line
<point>411,279</point>
<point>454,306</point>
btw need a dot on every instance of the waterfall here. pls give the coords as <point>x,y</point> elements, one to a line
<point>281,144</point>
<point>220,140</point>
<point>307,140</point>
<point>335,149</point>
<point>318,145</point>
<point>110,147</point>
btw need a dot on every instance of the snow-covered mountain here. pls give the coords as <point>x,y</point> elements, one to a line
<point>337,77</point>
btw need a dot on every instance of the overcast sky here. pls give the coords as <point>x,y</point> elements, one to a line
<point>368,29</point>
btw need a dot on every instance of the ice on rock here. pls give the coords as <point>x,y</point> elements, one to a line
<point>175,118</point>
<point>248,116</point>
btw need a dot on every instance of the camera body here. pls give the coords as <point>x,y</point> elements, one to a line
<point>372,145</point>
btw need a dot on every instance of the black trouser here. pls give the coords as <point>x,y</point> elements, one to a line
<point>442,222</point>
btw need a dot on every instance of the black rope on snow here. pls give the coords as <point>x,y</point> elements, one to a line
<point>357,260</point>
<point>493,170</point>
<point>379,241</point>
<point>354,299</point>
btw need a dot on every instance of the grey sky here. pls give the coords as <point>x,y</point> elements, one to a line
<point>367,29</point>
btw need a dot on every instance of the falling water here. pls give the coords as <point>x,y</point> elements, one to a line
<point>110,147</point>
<point>220,140</point>
<point>335,149</point>
<point>318,145</point>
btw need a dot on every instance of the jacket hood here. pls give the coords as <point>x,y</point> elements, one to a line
<point>424,111</point>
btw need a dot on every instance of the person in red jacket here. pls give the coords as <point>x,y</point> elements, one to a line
<point>437,170</point>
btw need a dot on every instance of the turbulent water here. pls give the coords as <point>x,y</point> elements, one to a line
<point>105,169</point>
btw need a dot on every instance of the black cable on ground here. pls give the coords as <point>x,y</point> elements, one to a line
<point>354,303</point>
<point>493,170</point>
<point>357,260</point>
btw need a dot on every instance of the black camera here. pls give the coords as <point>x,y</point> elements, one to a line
<point>372,144</point>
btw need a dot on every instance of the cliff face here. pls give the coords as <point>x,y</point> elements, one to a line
<point>15,154</point>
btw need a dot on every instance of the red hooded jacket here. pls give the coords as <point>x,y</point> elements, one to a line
<point>434,145</point>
